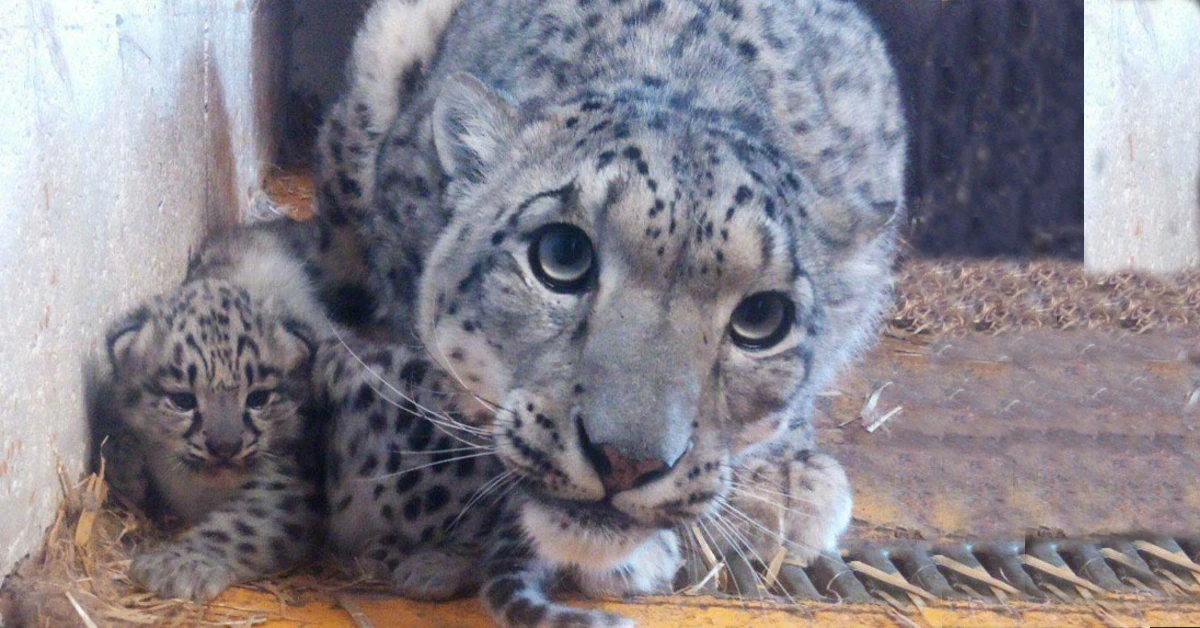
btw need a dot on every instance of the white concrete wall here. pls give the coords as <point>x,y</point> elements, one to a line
<point>126,127</point>
<point>1142,134</point>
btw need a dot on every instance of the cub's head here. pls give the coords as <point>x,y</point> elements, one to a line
<point>208,379</point>
<point>644,293</point>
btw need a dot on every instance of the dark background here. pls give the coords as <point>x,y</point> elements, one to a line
<point>995,102</point>
<point>994,92</point>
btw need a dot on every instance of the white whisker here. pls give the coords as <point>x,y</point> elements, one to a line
<point>423,466</point>
<point>440,421</point>
<point>772,502</point>
<point>741,538</point>
<point>437,341</point>
<point>748,519</point>
<point>482,491</point>
<point>766,491</point>
<point>436,418</point>
<point>426,412</point>
<point>452,450</point>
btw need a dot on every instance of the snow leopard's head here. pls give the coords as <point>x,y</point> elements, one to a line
<point>641,295</point>
<point>209,379</point>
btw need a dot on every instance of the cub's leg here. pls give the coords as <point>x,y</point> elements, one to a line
<point>270,524</point>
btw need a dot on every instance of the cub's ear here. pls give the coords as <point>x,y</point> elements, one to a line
<point>472,126</point>
<point>298,342</point>
<point>126,337</point>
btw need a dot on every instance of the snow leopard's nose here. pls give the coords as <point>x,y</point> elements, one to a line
<point>619,471</point>
<point>223,449</point>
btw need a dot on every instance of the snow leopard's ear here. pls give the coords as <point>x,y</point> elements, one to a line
<point>127,338</point>
<point>473,125</point>
<point>298,342</point>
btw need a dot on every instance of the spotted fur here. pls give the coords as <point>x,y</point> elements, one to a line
<point>391,52</point>
<point>204,421</point>
<point>400,479</point>
<point>417,496</point>
<point>710,150</point>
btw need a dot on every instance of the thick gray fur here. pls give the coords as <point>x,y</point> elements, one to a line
<point>710,149</point>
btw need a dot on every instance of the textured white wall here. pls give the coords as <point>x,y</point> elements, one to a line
<point>1142,134</point>
<point>126,127</point>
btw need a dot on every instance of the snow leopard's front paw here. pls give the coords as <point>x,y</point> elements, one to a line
<point>518,600</point>
<point>434,575</point>
<point>183,573</point>
<point>798,498</point>
<point>650,570</point>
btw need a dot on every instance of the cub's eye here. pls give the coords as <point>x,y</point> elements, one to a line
<point>562,257</point>
<point>182,402</point>
<point>258,399</point>
<point>761,320</point>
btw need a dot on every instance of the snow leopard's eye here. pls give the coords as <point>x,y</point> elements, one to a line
<point>181,402</point>
<point>258,399</point>
<point>762,320</point>
<point>562,257</point>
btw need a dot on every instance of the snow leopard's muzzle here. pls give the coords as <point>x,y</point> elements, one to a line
<point>636,442</point>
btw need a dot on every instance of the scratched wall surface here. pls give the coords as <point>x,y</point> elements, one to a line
<point>126,128</point>
<point>1142,134</point>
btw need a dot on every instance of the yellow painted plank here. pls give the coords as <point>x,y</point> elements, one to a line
<point>704,612</point>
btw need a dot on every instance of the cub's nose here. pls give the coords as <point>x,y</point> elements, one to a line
<point>619,471</point>
<point>223,449</point>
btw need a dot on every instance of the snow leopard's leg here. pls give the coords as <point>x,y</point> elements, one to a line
<point>518,586</point>
<point>390,54</point>
<point>271,523</point>
<point>405,479</point>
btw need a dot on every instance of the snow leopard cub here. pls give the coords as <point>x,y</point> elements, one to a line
<point>203,416</point>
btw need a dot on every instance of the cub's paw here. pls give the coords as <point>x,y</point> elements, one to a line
<point>175,572</point>
<point>798,498</point>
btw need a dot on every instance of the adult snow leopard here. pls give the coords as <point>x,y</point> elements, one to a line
<point>635,238</point>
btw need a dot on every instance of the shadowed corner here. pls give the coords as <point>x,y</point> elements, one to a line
<point>94,407</point>
<point>270,47</point>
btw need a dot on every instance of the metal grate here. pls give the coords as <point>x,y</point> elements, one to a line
<point>1037,569</point>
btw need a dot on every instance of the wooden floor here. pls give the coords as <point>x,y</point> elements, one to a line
<point>685,612</point>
